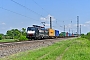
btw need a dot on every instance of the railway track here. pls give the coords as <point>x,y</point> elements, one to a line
<point>7,49</point>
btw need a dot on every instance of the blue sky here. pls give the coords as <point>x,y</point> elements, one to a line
<point>40,10</point>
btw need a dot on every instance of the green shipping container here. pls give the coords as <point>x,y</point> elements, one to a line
<point>63,34</point>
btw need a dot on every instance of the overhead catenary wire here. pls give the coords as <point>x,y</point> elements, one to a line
<point>26,8</point>
<point>16,13</point>
<point>58,24</point>
<point>64,27</point>
<point>40,6</point>
<point>31,9</point>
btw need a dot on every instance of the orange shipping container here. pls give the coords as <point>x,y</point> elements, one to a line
<point>51,32</point>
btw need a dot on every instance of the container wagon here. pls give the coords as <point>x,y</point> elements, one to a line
<point>66,34</point>
<point>69,34</point>
<point>51,33</point>
<point>63,34</point>
<point>56,33</point>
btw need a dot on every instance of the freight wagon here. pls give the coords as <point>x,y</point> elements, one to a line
<point>62,34</point>
<point>51,33</point>
<point>66,34</point>
<point>56,33</point>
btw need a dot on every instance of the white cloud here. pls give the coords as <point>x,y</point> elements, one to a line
<point>68,26</point>
<point>47,25</point>
<point>74,26</point>
<point>43,18</point>
<point>3,23</point>
<point>48,18</point>
<point>88,22</point>
<point>84,25</point>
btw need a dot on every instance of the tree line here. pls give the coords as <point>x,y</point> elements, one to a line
<point>14,34</point>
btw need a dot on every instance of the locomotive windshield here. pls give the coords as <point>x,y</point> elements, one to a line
<point>42,28</point>
<point>30,29</point>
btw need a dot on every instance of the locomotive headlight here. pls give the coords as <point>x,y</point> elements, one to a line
<point>30,32</point>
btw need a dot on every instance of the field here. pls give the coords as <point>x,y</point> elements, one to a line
<point>75,49</point>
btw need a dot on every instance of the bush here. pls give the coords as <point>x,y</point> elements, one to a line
<point>82,36</point>
<point>87,36</point>
<point>0,37</point>
<point>23,38</point>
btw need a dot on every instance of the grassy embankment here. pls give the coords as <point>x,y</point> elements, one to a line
<point>7,40</point>
<point>75,49</point>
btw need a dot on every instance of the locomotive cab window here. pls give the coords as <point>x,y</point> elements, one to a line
<point>30,29</point>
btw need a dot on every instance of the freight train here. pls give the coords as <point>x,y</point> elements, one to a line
<point>39,32</point>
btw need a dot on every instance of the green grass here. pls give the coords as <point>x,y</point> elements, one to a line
<point>7,40</point>
<point>75,49</point>
<point>79,50</point>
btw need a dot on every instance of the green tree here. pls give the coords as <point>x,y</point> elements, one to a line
<point>17,33</point>
<point>1,36</point>
<point>14,33</point>
<point>9,33</point>
<point>23,31</point>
